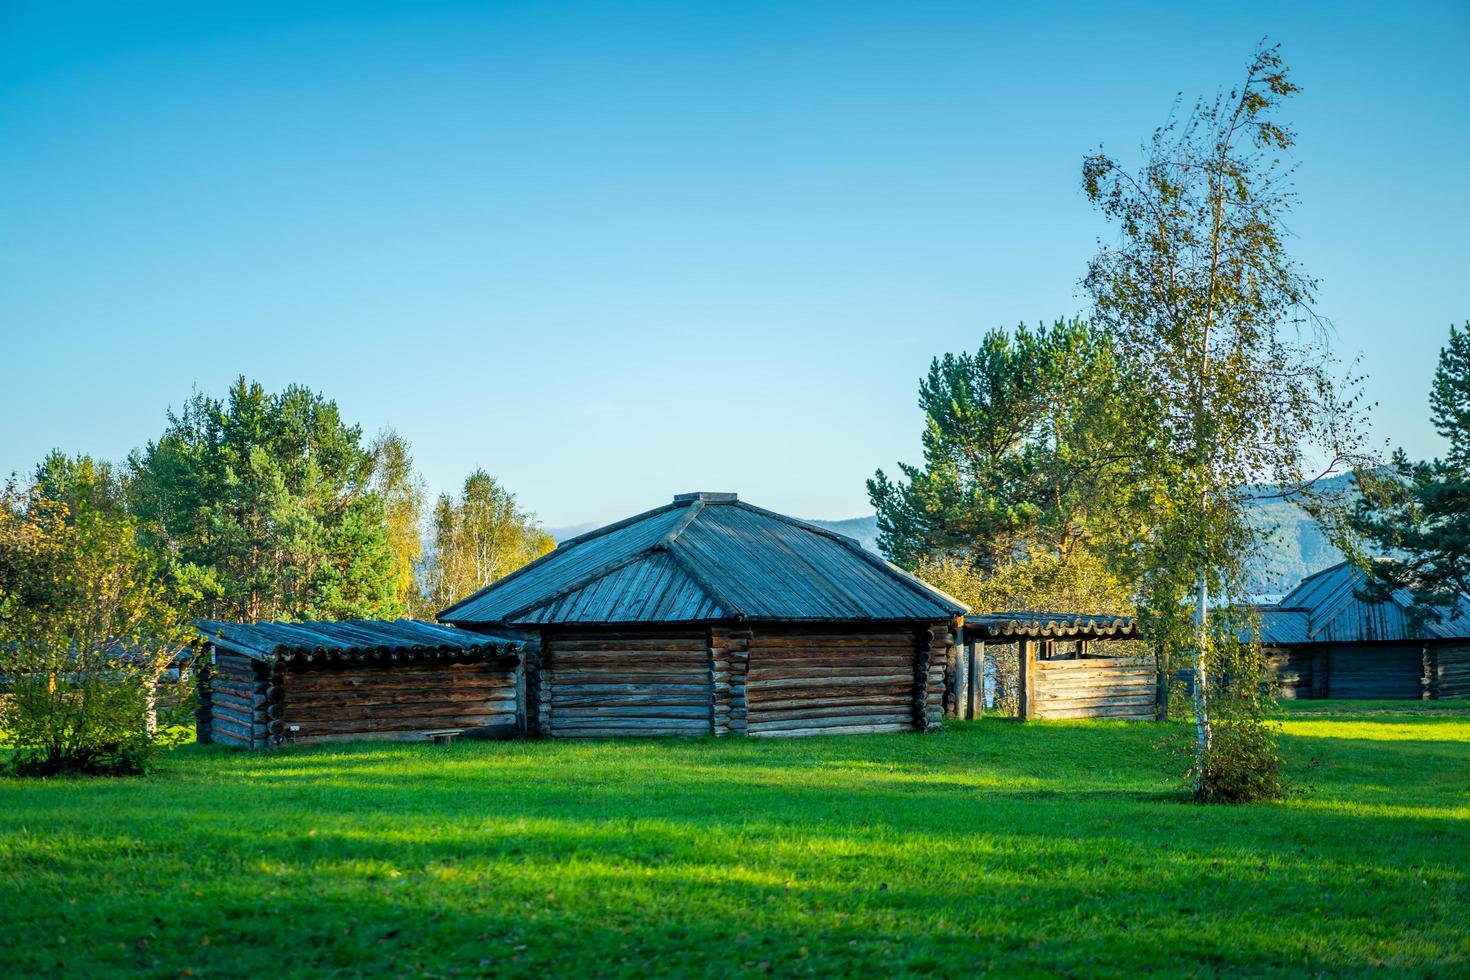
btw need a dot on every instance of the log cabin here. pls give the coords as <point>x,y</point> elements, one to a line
<point>268,684</point>
<point>710,616</point>
<point>1325,639</point>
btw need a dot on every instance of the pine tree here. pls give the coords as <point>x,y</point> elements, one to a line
<point>1419,512</point>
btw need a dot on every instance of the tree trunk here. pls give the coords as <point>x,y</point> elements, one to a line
<point>1201,704</point>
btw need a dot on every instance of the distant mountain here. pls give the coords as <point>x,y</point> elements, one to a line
<point>863,529</point>
<point>1297,546</point>
<point>560,534</point>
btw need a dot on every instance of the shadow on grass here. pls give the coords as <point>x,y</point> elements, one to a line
<point>993,847</point>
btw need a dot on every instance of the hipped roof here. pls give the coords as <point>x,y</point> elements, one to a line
<point>1326,608</point>
<point>705,557</point>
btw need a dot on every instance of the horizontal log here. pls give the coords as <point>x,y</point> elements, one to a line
<point>766,673</point>
<point>628,677</point>
<point>777,641</point>
<point>371,726</point>
<point>419,709</point>
<point>832,721</point>
<point>245,733</point>
<point>623,733</point>
<point>371,698</point>
<point>244,691</point>
<point>403,685</point>
<point>496,731</point>
<point>590,690</point>
<point>593,700</point>
<point>238,702</point>
<point>560,714</point>
<point>612,659</point>
<point>845,730</point>
<point>816,714</point>
<point>561,644</point>
<point>831,681</point>
<point>626,728</point>
<point>832,657</point>
<point>230,739</point>
<point>856,700</point>
<point>1089,663</point>
<point>1048,704</point>
<point>1132,714</point>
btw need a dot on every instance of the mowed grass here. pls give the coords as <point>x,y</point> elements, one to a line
<point>993,846</point>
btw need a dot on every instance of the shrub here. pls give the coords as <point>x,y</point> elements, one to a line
<point>87,629</point>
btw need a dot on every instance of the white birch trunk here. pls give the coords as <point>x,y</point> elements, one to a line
<point>1201,703</point>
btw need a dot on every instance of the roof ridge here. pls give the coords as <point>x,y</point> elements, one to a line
<point>914,583</point>
<point>663,544</point>
<point>561,548</point>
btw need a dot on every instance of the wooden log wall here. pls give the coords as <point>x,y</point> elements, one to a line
<point>729,656</point>
<point>828,683</point>
<point>1090,687</point>
<point>1451,671</point>
<point>395,699</point>
<point>1292,669</point>
<point>1390,671</point>
<point>238,699</point>
<point>604,683</point>
<point>934,663</point>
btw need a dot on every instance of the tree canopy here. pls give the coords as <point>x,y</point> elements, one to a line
<point>1027,444</point>
<point>265,504</point>
<point>1419,511</point>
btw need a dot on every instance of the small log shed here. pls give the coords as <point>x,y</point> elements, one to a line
<point>710,616</point>
<point>267,684</point>
<point>1327,639</point>
<point>1062,675</point>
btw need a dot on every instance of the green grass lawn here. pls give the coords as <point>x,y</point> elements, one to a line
<point>994,847</point>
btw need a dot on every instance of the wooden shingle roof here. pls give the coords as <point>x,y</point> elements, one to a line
<point>1051,626</point>
<point>705,557</point>
<point>354,639</point>
<point>1327,608</point>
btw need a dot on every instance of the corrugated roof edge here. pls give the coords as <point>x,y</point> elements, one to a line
<point>854,545</point>
<point>561,548</point>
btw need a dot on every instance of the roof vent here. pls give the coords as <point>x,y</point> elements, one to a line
<point>707,497</point>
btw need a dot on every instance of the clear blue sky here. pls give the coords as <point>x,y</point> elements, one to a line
<point>614,251</point>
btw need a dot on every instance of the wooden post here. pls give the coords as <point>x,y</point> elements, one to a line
<point>975,655</point>
<point>1026,657</point>
<point>1426,678</point>
<point>1320,687</point>
<point>204,715</point>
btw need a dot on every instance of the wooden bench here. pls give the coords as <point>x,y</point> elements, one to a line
<point>443,736</point>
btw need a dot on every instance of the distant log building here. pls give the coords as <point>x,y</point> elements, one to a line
<point>265,684</point>
<point>1325,640</point>
<point>711,616</point>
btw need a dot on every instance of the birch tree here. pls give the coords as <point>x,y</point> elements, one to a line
<point>1200,294</point>
<point>480,536</point>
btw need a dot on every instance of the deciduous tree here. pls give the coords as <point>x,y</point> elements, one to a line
<point>480,536</point>
<point>1201,296</point>
<point>88,625</point>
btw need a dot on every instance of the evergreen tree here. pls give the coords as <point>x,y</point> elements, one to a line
<point>265,506</point>
<point>1026,450</point>
<point>1420,511</point>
